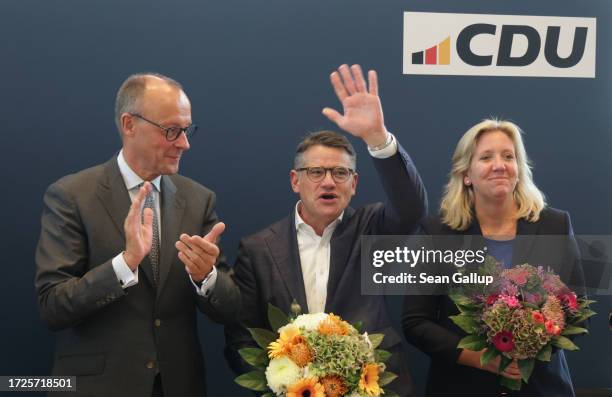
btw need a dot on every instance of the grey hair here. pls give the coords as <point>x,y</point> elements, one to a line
<point>324,138</point>
<point>132,90</point>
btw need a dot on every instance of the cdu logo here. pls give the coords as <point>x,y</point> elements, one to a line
<point>499,45</point>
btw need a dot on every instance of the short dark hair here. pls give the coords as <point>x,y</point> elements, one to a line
<point>132,90</point>
<point>324,138</point>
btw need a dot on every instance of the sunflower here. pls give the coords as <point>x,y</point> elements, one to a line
<point>288,337</point>
<point>334,386</point>
<point>369,380</point>
<point>306,387</point>
<point>333,325</point>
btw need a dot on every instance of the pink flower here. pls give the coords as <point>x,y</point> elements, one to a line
<point>538,317</point>
<point>521,279</point>
<point>552,328</point>
<point>570,300</point>
<point>491,299</point>
<point>503,341</point>
<point>511,301</point>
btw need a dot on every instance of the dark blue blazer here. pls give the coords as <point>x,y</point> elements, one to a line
<point>426,323</point>
<point>268,266</point>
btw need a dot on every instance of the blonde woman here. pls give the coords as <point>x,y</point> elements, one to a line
<point>490,194</point>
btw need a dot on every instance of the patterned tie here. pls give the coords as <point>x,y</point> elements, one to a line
<point>154,254</point>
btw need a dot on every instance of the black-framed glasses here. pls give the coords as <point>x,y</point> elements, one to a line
<point>172,133</point>
<point>317,174</point>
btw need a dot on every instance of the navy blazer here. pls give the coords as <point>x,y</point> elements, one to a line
<point>426,323</point>
<point>268,267</point>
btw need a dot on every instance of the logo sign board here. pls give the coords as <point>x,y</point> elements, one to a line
<point>499,45</point>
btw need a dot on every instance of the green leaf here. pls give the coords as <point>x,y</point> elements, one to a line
<point>586,314</point>
<point>489,354</point>
<point>473,342</point>
<point>390,393</point>
<point>254,380</point>
<point>526,368</point>
<point>269,395</point>
<point>573,330</point>
<point>382,355</point>
<point>263,337</point>
<point>531,305</point>
<point>376,339</point>
<point>512,384</point>
<point>585,302</point>
<point>459,299</point>
<point>503,363</point>
<point>545,353</point>
<point>276,317</point>
<point>255,356</point>
<point>386,378</point>
<point>358,326</point>
<point>467,323</point>
<point>469,308</point>
<point>564,343</point>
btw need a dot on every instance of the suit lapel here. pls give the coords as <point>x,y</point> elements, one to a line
<point>114,195</point>
<point>524,245</point>
<point>341,245</point>
<point>116,200</point>
<point>171,208</point>
<point>284,250</point>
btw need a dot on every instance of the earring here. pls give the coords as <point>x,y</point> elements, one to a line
<point>467,181</point>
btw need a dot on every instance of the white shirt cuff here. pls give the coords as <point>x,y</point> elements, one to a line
<point>387,151</point>
<point>208,284</point>
<point>125,275</point>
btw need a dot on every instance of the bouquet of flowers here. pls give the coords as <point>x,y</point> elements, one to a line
<point>315,355</point>
<point>521,316</point>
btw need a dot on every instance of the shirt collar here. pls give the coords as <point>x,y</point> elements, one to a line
<point>131,179</point>
<point>299,221</point>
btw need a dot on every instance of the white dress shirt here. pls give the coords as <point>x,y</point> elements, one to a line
<point>315,250</point>
<point>314,259</point>
<point>132,181</point>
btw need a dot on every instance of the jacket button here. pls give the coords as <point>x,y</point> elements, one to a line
<point>157,322</point>
<point>150,365</point>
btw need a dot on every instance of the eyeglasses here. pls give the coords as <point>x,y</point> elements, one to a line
<point>172,133</point>
<point>317,174</point>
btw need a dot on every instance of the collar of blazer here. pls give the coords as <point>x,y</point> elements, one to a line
<point>283,247</point>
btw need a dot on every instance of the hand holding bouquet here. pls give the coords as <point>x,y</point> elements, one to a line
<point>520,317</point>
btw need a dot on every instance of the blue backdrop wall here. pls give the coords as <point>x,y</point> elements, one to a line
<point>257,74</point>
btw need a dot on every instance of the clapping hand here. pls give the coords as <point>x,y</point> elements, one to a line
<point>138,227</point>
<point>199,254</point>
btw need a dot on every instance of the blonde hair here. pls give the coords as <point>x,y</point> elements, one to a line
<point>457,206</point>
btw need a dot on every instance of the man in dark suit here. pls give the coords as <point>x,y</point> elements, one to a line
<point>313,256</point>
<point>109,279</point>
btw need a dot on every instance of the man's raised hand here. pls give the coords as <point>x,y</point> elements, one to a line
<point>363,115</point>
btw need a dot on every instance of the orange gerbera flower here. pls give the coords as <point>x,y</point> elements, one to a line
<point>306,387</point>
<point>369,380</point>
<point>288,337</point>
<point>334,386</point>
<point>333,325</point>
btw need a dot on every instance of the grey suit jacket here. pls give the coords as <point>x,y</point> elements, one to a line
<point>116,340</point>
<point>268,267</point>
